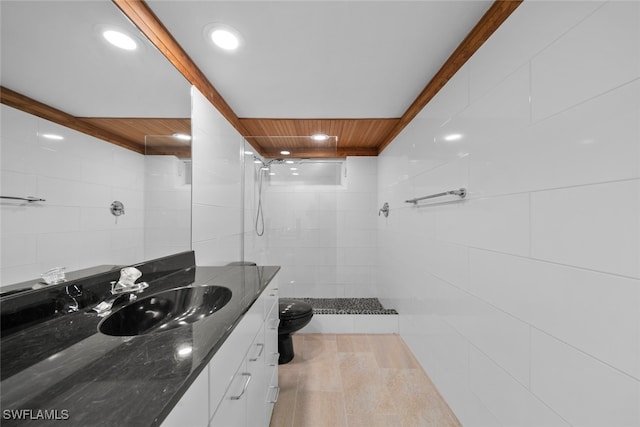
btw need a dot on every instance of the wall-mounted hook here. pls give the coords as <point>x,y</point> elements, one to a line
<point>384,210</point>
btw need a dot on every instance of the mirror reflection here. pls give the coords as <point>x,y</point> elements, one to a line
<point>86,123</point>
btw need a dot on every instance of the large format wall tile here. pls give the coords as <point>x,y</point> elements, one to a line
<point>595,312</point>
<point>496,223</point>
<point>324,237</point>
<point>578,65</point>
<point>536,26</point>
<point>593,226</point>
<point>581,389</point>
<point>217,149</point>
<point>79,176</point>
<point>514,404</point>
<point>537,270</point>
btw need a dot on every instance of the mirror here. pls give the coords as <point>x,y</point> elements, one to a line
<point>54,58</point>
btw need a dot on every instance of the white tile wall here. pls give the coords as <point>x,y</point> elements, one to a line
<point>583,391</point>
<point>580,64</point>
<point>523,301</point>
<point>324,237</point>
<point>79,177</point>
<point>512,403</point>
<point>593,226</point>
<point>595,312</point>
<point>501,56</point>
<point>217,150</point>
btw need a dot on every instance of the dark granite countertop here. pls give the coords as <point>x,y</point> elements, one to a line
<point>85,378</point>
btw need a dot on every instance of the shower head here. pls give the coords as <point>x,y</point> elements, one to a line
<point>276,161</point>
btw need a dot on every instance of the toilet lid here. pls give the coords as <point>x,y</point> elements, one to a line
<point>293,309</point>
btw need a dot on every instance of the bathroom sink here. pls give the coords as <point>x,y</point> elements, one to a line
<point>166,310</point>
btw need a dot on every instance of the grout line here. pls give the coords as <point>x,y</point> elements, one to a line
<point>532,258</point>
<point>590,356</point>
<point>588,184</point>
<point>584,101</point>
<point>530,353</point>
<point>491,304</point>
<point>529,200</point>
<point>479,196</point>
<point>535,396</point>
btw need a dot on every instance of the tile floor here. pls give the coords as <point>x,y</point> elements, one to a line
<point>357,380</point>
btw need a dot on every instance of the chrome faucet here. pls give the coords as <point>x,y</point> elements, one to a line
<point>122,291</point>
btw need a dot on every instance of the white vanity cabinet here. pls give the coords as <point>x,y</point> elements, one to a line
<point>192,409</point>
<point>249,398</point>
<point>239,387</point>
<point>271,356</point>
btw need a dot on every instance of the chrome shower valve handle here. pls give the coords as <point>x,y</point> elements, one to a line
<point>385,210</point>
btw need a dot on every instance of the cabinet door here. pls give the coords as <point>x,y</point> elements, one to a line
<point>232,411</point>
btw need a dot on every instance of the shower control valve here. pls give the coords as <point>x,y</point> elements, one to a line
<point>384,210</point>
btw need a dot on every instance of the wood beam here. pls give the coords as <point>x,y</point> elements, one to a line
<point>148,23</point>
<point>37,108</point>
<point>499,11</point>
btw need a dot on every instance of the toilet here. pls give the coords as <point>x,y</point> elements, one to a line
<point>294,315</point>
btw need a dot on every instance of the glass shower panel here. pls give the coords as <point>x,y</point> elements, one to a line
<point>293,216</point>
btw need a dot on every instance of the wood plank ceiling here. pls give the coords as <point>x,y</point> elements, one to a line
<point>349,137</point>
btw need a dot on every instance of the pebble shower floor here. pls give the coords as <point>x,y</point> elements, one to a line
<point>347,306</point>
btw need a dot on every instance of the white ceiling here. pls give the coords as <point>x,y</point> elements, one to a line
<point>322,59</point>
<point>52,52</point>
<point>300,59</point>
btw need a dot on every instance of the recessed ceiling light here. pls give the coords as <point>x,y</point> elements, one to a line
<point>272,173</point>
<point>120,39</point>
<point>182,136</point>
<point>453,137</point>
<point>52,136</point>
<point>285,152</point>
<point>248,153</point>
<point>293,169</point>
<point>223,36</point>
<point>256,161</point>
<point>225,40</point>
<point>295,173</point>
<point>289,162</point>
<point>319,137</point>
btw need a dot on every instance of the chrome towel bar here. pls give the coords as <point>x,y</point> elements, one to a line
<point>28,198</point>
<point>462,193</point>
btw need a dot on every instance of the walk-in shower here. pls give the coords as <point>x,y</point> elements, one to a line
<point>264,168</point>
<point>281,172</point>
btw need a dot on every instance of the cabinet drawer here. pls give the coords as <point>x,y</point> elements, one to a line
<point>232,411</point>
<point>232,354</point>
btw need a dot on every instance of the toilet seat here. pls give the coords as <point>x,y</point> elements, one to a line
<point>292,309</point>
